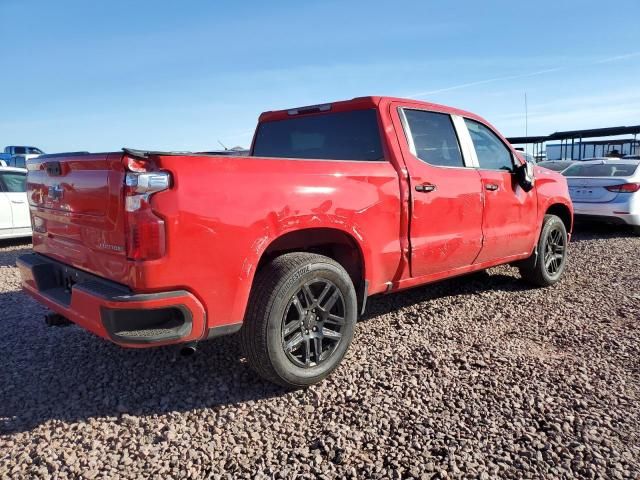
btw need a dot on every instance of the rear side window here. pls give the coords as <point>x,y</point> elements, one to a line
<point>492,153</point>
<point>601,170</point>
<point>20,150</point>
<point>13,181</point>
<point>19,162</point>
<point>350,135</point>
<point>434,138</point>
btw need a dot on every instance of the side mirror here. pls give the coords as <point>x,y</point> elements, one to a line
<point>525,176</point>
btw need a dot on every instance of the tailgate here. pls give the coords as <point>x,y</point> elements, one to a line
<point>76,204</point>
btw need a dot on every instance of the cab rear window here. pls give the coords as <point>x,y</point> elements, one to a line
<point>352,135</point>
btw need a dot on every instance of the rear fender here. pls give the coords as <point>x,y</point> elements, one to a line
<point>262,244</point>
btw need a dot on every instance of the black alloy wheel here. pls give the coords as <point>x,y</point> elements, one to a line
<point>549,259</point>
<point>554,251</point>
<point>300,319</point>
<point>312,323</point>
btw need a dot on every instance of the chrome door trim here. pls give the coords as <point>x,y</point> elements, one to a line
<point>407,131</point>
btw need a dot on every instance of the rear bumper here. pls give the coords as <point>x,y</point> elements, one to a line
<point>111,310</point>
<point>612,212</point>
<point>606,212</point>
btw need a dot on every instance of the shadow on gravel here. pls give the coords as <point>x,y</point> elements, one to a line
<point>65,373</point>
<point>70,375</point>
<point>8,258</point>
<point>464,285</point>
<point>592,231</point>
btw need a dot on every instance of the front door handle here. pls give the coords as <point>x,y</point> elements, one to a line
<point>491,186</point>
<point>18,201</point>
<point>425,187</point>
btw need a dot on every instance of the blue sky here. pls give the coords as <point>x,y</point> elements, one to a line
<point>89,75</point>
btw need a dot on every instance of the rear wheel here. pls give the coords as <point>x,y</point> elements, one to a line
<point>300,319</point>
<point>547,264</point>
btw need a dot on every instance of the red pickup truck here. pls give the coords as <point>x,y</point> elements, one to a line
<point>334,203</point>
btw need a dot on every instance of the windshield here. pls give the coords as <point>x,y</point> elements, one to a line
<point>34,151</point>
<point>608,169</point>
<point>350,135</point>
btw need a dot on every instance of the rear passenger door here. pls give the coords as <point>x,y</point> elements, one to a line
<point>509,223</point>
<point>446,192</point>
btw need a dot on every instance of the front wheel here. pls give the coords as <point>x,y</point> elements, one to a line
<point>300,319</point>
<point>547,264</point>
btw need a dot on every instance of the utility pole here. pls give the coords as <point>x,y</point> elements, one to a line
<point>526,120</point>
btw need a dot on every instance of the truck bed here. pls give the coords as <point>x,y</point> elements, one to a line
<point>219,209</point>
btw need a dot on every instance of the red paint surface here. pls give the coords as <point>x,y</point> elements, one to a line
<point>223,212</point>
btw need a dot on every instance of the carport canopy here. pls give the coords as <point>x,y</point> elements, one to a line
<point>575,134</point>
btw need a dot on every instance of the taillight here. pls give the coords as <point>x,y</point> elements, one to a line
<point>624,188</point>
<point>146,238</point>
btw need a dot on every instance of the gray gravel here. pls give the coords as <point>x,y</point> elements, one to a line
<point>476,377</point>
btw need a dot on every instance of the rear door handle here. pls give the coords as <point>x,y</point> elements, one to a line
<point>425,187</point>
<point>491,186</point>
<point>18,201</point>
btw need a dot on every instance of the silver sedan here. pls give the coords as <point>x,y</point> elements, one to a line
<point>606,190</point>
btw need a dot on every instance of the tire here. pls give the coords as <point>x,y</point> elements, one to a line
<point>636,229</point>
<point>547,265</point>
<point>278,336</point>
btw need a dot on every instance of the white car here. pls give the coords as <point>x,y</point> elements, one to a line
<point>606,190</point>
<point>14,207</point>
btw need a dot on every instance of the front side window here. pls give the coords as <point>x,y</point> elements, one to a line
<point>13,182</point>
<point>492,153</point>
<point>352,135</point>
<point>434,138</point>
<point>20,150</point>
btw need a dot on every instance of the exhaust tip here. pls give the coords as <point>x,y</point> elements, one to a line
<point>188,350</point>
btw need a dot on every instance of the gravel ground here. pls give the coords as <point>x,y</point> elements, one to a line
<point>475,377</point>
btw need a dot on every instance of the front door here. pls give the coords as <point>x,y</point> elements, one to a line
<point>13,184</point>
<point>446,193</point>
<point>6,219</point>
<point>509,223</point>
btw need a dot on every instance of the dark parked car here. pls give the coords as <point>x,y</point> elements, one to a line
<point>556,165</point>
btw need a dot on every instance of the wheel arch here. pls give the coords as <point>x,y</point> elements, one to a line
<point>330,242</point>
<point>335,243</point>
<point>563,212</point>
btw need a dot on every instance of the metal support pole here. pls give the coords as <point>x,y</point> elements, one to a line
<point>580,151</point>
<point>572,143</point>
